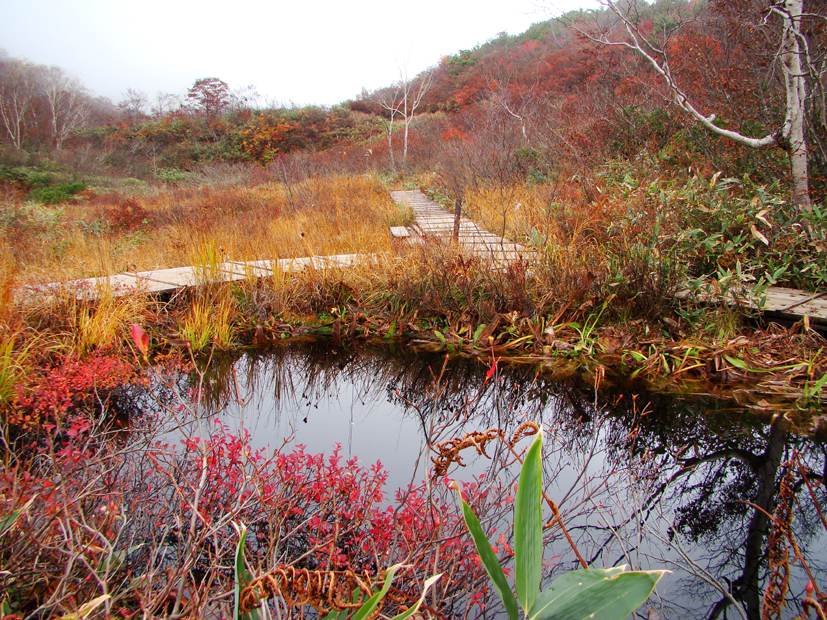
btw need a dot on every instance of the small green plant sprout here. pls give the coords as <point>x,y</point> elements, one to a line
<point>243,579</point>
<point>585,594</point>
<point>367,610</point>
<point>812,393</point>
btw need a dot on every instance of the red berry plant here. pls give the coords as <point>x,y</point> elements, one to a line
<point>139,528</point>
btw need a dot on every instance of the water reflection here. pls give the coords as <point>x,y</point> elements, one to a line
<point>641,479</point>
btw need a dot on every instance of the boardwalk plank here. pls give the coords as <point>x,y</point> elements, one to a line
<point>433,221</point>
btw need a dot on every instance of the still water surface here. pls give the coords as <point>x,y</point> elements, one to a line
<point>642,479</point>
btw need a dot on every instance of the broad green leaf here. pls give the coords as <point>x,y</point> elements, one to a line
<point>528,526</point>
<point>367,609</point>
<point>478,331</point>
<point>741,364</point>
<point>7,522</point>
<point>410,612</point>
<point>489,560</point>
<point>242,577</point>
<point>593,594</point>
<point>737,362</point>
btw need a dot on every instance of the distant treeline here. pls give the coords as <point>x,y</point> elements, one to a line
<point>549,101</point>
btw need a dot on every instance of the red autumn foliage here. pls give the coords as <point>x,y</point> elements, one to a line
<point>52,392</point>
<point>168,511</point>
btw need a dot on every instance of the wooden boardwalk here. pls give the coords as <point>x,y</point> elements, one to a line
<point>168,280</point>
<point>434,222</point>
<point>782,304</point>
<point>791,305</point>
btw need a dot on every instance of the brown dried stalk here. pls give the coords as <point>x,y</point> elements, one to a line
<point>448,453</point>
<point>324,590</point>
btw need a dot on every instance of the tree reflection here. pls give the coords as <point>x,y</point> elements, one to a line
<point>646,479</point>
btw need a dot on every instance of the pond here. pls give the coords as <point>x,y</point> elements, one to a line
<point>652,481</point>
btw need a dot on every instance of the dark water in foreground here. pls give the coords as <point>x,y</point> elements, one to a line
<point>642,479</point>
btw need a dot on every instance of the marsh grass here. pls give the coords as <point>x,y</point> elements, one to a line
<point>104,322</point>
<point>209,321</point>
<point>617,255</point>
<point>13,364</point>
<point>170,227</point>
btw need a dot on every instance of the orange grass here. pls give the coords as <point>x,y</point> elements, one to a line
<point>165,227</point>
<point>581,274</point>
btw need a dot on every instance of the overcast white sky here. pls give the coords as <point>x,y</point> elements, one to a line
<point>299,51</point>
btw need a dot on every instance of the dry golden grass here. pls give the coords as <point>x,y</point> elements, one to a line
<point>167,227</point>
<point>553,214</point>
<point>104,323</point>
<point>171,227</point>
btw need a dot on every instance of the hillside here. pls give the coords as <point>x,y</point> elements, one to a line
<point>555,100</point>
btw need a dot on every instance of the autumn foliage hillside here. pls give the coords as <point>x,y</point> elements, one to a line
<point>551,98</point>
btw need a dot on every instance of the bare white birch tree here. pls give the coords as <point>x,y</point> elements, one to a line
<point>402,100</point>
<point>134,105</point>
<point>18,91</point>
<point>390,101</point>
<point>412,92</point>
<point>165,103</point>
<point>792,58</point>
<point>67,104</point>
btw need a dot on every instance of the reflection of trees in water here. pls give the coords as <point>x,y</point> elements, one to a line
<point>635,476</point>
<point>711,477</point>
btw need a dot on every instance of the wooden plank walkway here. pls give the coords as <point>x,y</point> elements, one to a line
<point>787,304</point>
<point>782,304</point>
<point>434,222</point>
<point>168,280</point>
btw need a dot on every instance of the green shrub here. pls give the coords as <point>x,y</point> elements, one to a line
<point>170,175</point>
<point>54,194</point>
<point>26,177</point>
<point>733,225</point>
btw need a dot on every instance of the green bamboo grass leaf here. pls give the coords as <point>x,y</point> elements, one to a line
<point>410,612</point>
<point>370,605</point>
<point>7,521</point>
<point>489,559</point>
<point>742,365</point>
<point>242,577</point>
<point>528,526</point>
<point>593,594</point>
